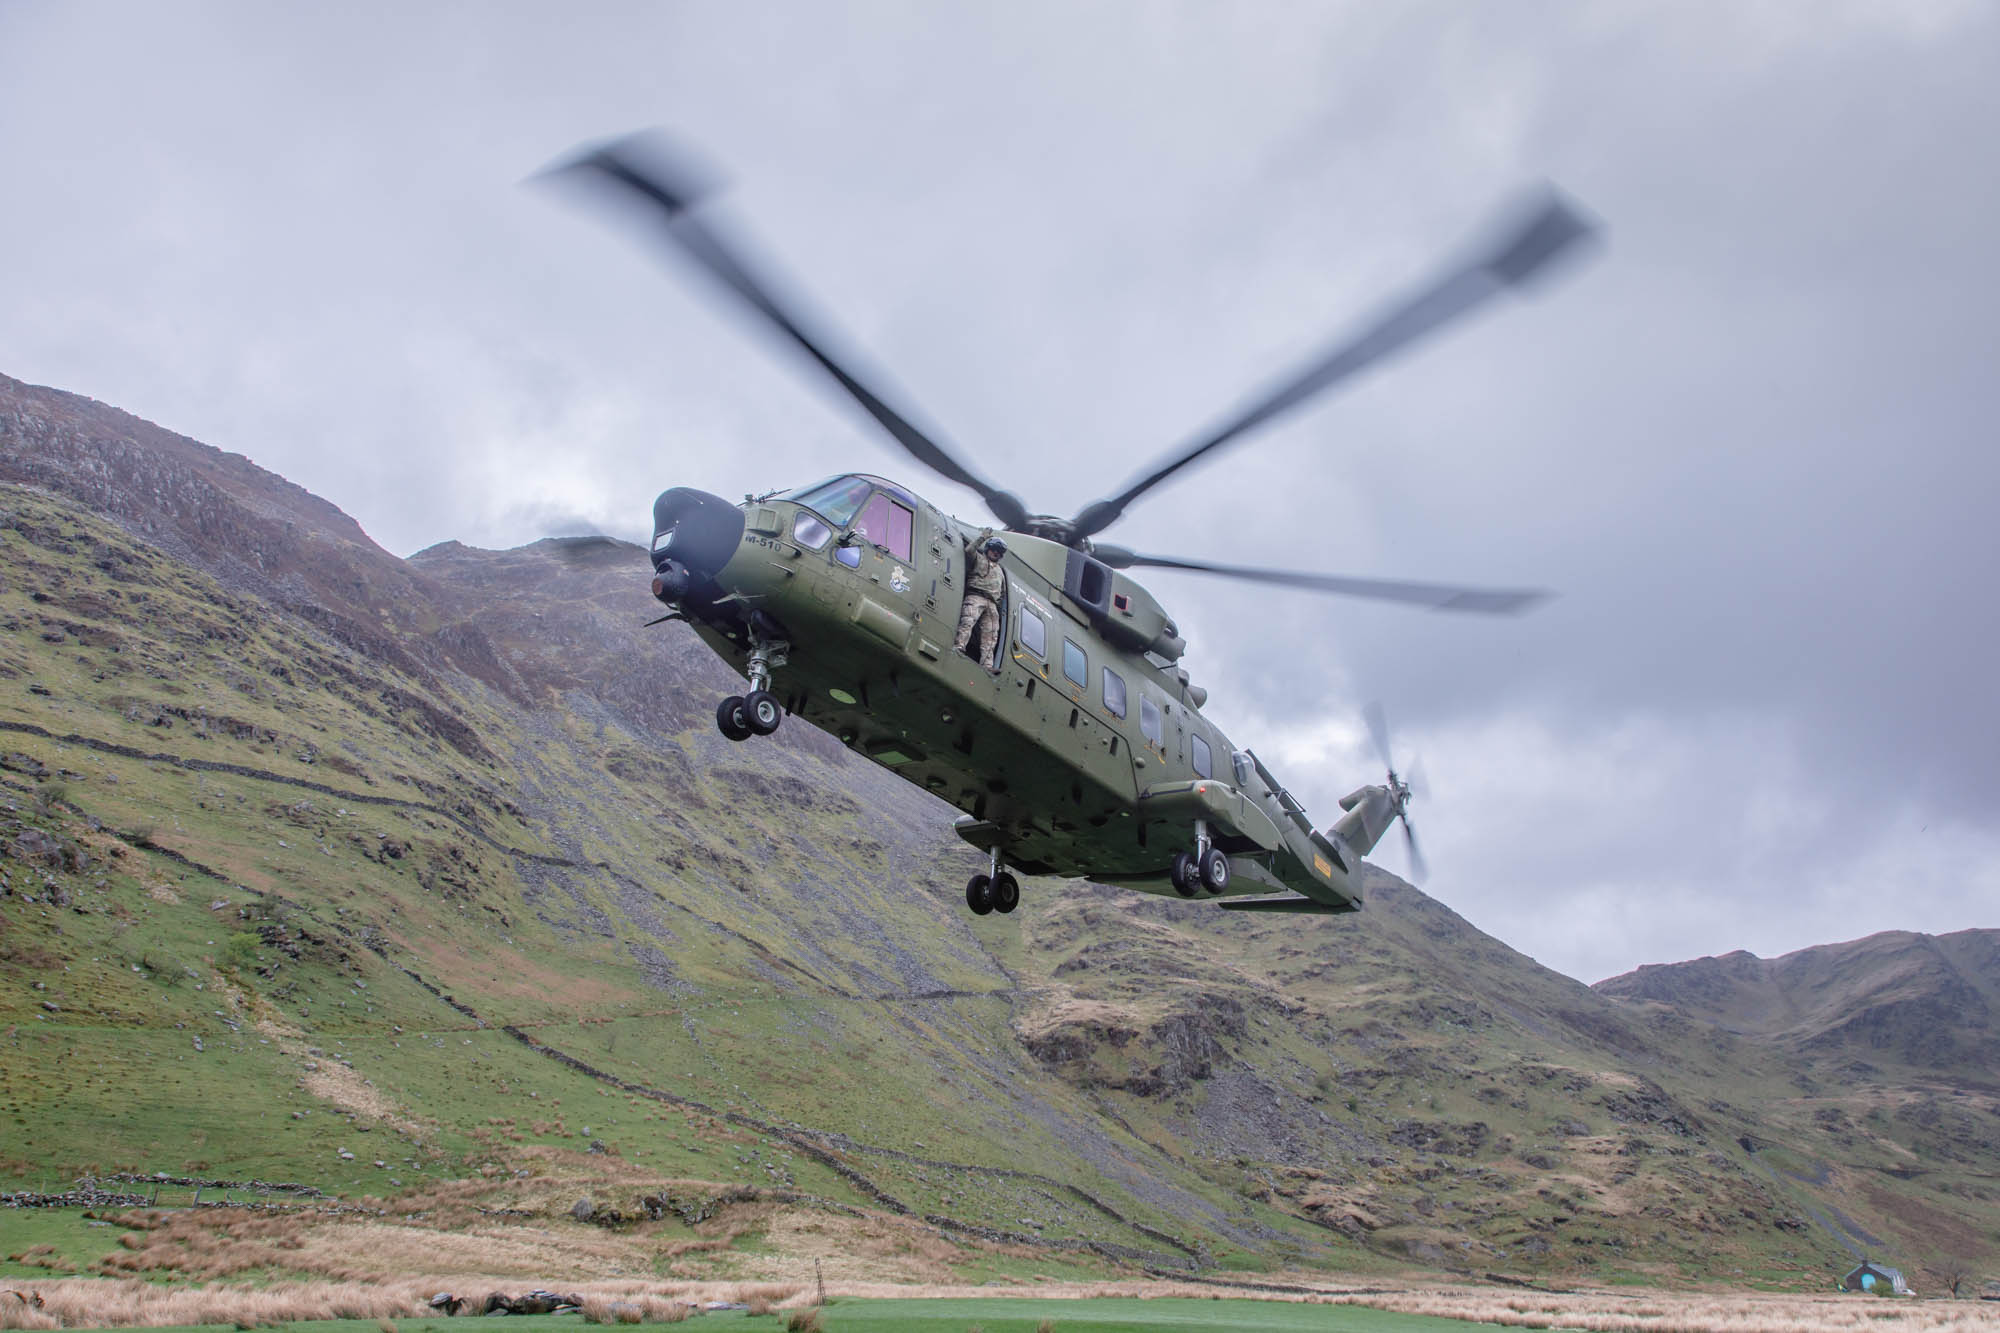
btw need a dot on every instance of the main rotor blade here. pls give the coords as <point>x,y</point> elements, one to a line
<point>1436,596</point>
<point>1520,250</point>
<point>644,167</point>
<point>1378,728</point>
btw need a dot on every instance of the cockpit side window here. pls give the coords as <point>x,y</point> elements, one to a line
<point>887,524</point>
<point>873,520</point>
<point>901,521</point>
<point>835,501</point>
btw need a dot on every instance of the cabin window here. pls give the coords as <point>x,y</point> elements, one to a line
<point>1244,767</point>
<point>1198,751</point>
<point>809,531</point>
<point>1034,633</point>
<point>887,524</point>
<point>1149,719</point>
<point>835,501</point>
<point>1114,693</point>
<point>1075,665</point>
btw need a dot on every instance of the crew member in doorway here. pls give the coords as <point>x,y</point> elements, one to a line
<point>979,617</point>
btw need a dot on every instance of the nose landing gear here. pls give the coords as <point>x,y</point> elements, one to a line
<point>757,713</point>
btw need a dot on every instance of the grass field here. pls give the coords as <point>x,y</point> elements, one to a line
<point>1015,1315</point>
<point>992,1315</point>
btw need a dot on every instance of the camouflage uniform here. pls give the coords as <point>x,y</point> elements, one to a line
<point>979,617</point>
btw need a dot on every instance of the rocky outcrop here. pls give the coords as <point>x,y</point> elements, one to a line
<point>1100,1046</point>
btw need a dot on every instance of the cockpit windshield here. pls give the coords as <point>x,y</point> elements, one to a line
<point>836,501</point>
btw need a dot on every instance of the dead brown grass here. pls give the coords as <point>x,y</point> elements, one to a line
<point>15,1314</point>
<point>858,1249</point>
<point>129,1302</point>
<point>132,1303</point>
<point>385,1268</point>
<point>642,1310</point>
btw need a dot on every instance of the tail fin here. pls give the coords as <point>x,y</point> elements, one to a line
<point>1369,812</point>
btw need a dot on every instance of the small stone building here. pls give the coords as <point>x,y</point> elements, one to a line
<point>1877,1278</point>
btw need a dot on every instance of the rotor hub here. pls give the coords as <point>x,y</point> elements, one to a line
<point>1052,528</point>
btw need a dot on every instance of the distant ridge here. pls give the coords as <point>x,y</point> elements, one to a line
<point>1925,1001</point>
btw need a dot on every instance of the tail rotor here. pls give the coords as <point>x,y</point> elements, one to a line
<point>1399,790</point>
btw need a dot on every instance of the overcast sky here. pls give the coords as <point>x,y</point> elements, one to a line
<point>1751,443</point>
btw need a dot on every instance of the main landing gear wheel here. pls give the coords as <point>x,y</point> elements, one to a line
<point>1215,870</point>
<point>1184,874</point>
<point>732,719</point>
<point>763,712</point>
<point>1006,892</point>
<point>979,895</point>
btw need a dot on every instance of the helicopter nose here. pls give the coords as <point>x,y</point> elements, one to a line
<point>694,535</point>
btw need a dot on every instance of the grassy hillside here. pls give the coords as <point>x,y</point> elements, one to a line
<point>428,885</point>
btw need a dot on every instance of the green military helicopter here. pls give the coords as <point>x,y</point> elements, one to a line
<point>1072,738</point>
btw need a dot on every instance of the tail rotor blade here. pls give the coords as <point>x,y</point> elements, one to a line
<point>1378,727</point>
<point>1419,872</point>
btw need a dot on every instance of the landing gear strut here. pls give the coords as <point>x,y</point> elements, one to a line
<point>757,713</point>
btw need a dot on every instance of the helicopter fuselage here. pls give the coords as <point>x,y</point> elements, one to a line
<point>1077,747</point>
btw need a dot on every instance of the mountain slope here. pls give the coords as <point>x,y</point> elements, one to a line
<point>1927,1001</point>
<point>316,851</point>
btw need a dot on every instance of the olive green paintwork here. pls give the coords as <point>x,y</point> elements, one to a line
<point>1044,769</point>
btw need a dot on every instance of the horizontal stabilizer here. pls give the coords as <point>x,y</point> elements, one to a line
<point>1293,904</point>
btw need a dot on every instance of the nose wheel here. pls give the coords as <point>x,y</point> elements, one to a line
<point>739,717</point>
<point>732,719</point>
<point>762,711</point>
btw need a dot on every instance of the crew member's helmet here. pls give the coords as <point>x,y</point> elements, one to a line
<point>995,548</point>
